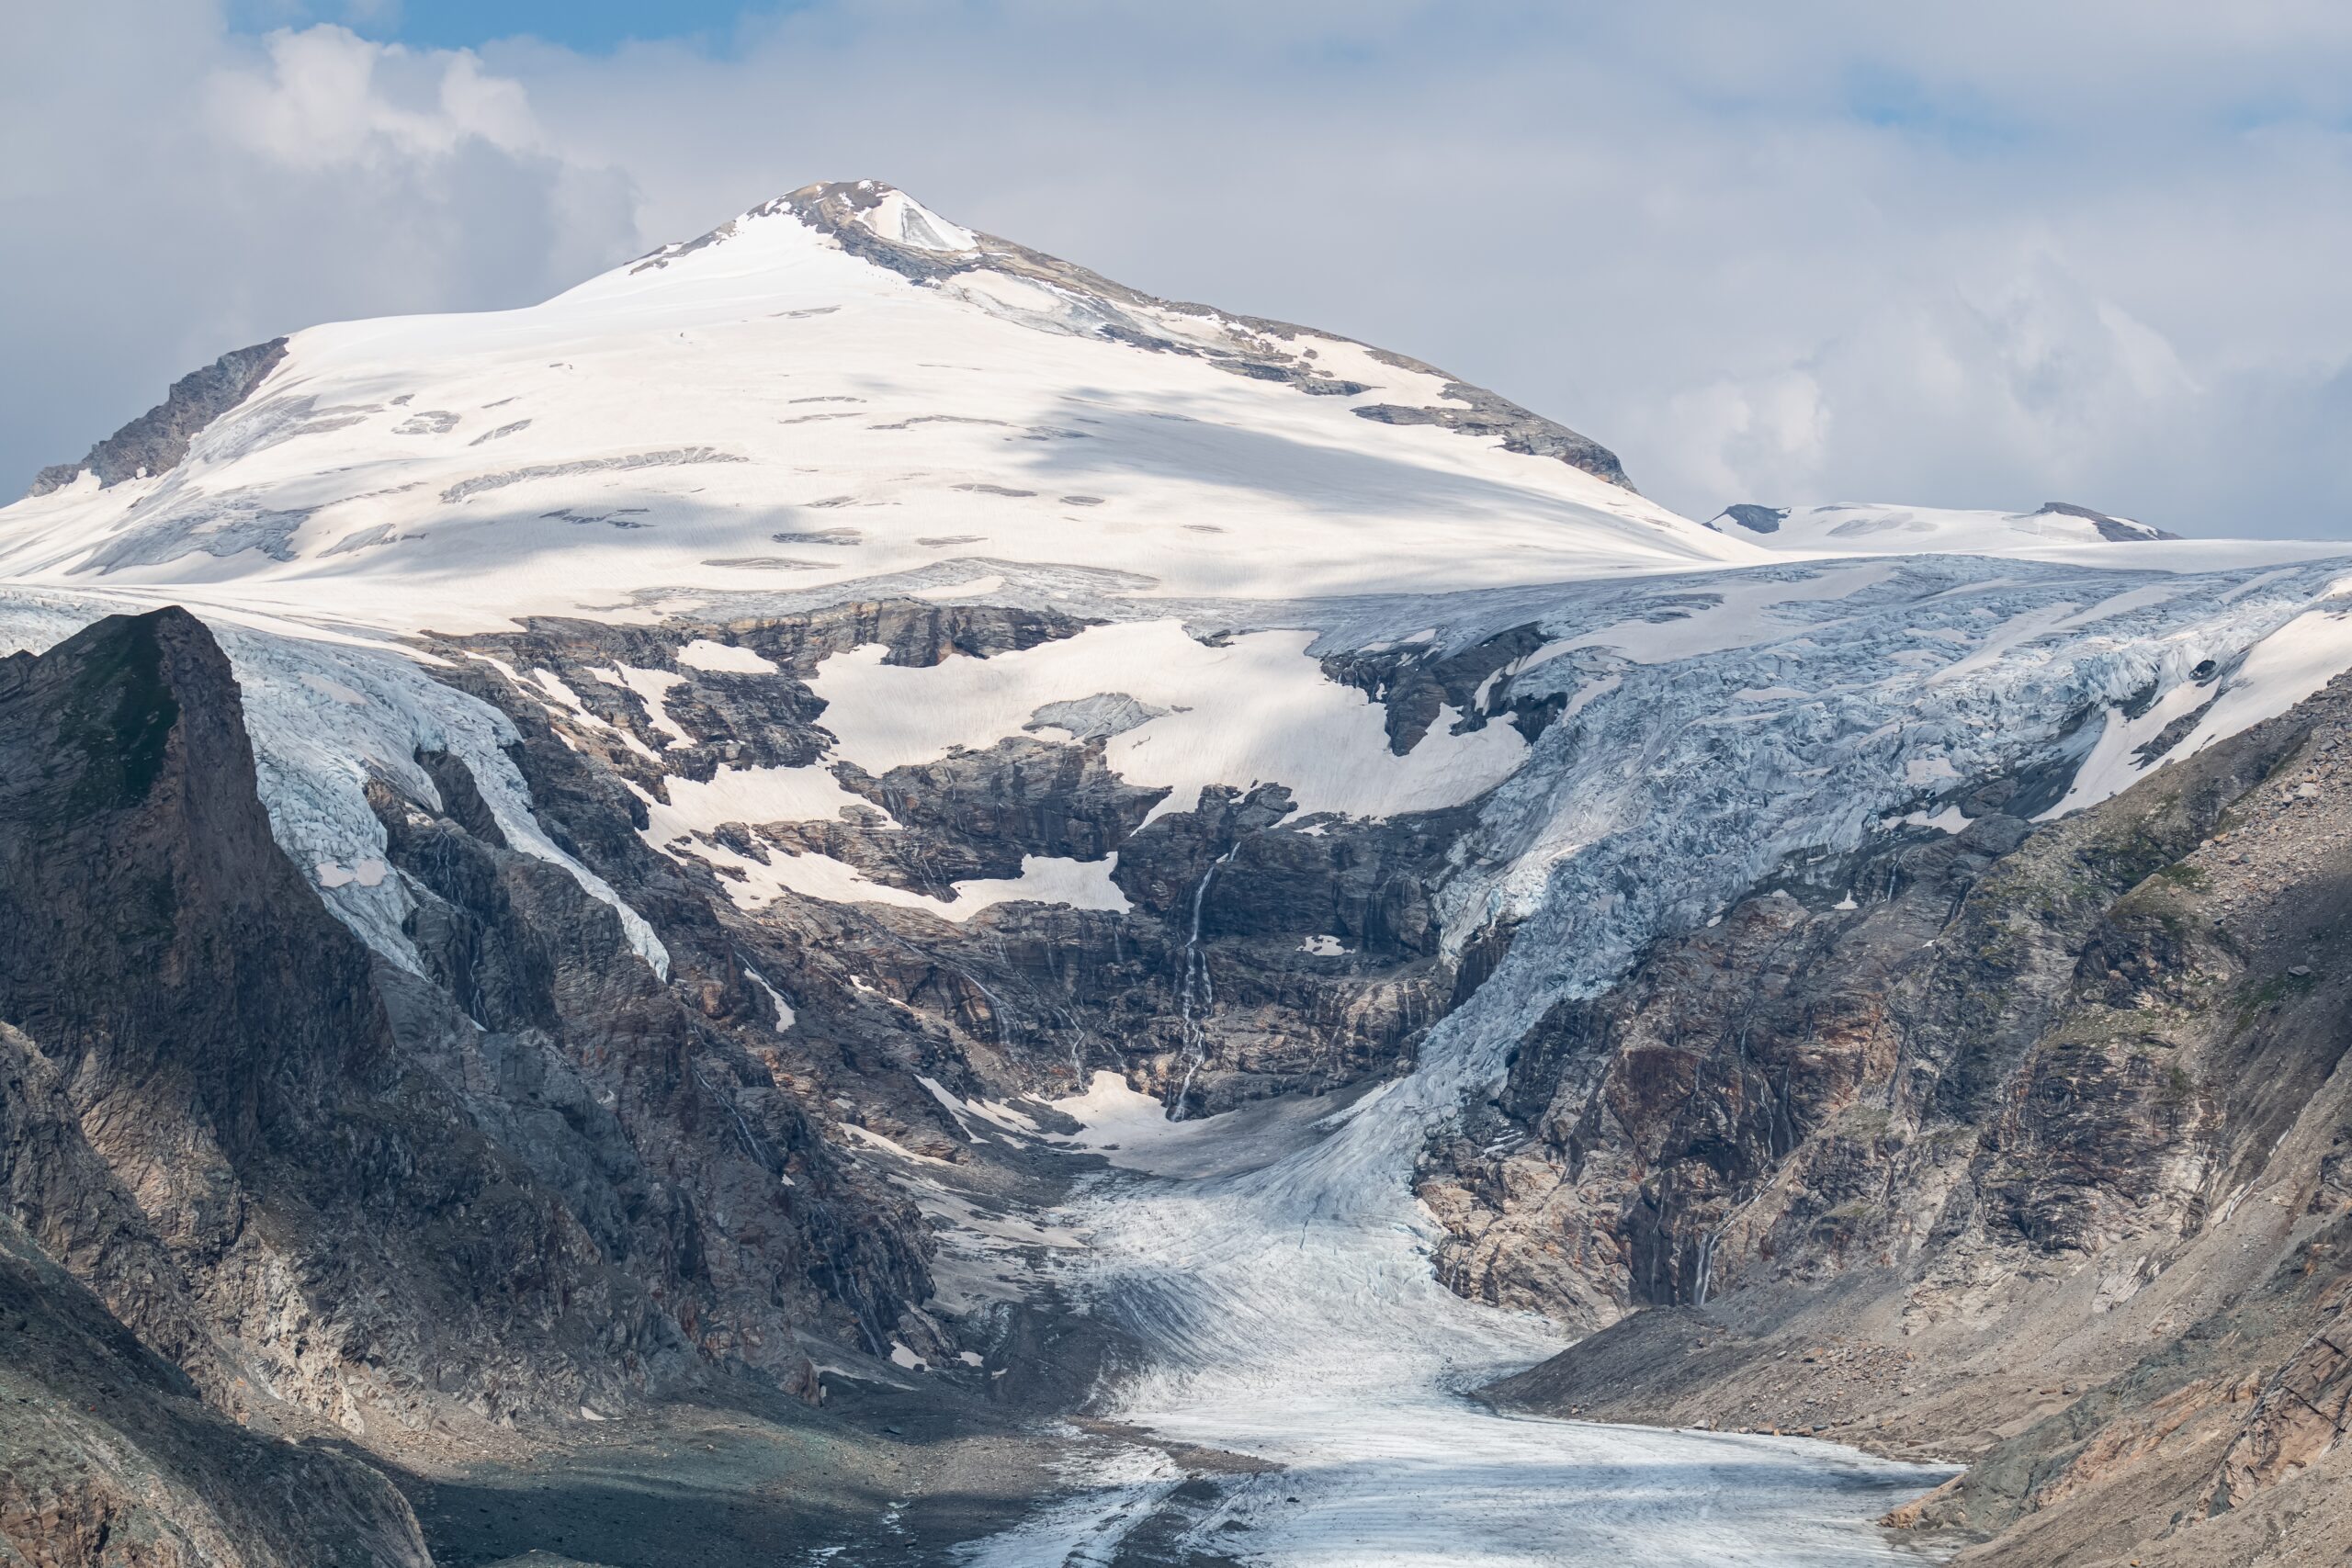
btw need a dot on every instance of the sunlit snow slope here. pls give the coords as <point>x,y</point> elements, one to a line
<point>2056,531</point>
<point>769,408</point>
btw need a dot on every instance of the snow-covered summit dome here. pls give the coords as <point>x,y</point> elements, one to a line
<point>840,386</point>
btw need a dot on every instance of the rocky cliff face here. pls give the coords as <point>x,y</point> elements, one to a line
<point>158,439</point>
<point>339,1197</point>
<point>110,1454</point>
<point>1248,959</point>
<point>2030,1145</point>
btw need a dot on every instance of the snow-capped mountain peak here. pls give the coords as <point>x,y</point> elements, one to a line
<point>839,386</point>
<point>898,218</point>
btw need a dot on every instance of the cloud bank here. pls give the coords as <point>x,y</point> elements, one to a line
<point>1826,250</point>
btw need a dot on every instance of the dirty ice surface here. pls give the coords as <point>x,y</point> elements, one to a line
<point>1274,1265</point>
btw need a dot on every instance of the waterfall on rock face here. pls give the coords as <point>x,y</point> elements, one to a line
<point>1195,993</point>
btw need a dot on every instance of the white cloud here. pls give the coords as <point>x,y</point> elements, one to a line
<point>328,97</point>
<point>1825,249</point>
<point>1764,436</point>
<point>173,191</point>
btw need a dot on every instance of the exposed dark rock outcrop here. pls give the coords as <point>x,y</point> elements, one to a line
<point>1754,518</point>
<point>157,440</point>
<point>1316,957</point>
<point>1415,682</point>
<point>340,1198</point>
<point>2114,528</point>
<point>1492,416</point>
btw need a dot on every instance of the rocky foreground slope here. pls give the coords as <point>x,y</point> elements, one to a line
<point>588,890</point>
<point>2035,1153</point>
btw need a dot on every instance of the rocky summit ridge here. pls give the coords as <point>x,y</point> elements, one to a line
<point>676,925</point>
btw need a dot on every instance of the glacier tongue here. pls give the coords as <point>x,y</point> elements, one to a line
<point>1291,1307</point>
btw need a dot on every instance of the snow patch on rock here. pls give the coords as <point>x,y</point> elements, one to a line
<point>724,658</point>
<point>1254,709</point>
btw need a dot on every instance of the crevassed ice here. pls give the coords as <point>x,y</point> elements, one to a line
<point>1289,1305</point>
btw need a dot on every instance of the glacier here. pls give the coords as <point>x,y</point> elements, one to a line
<point>806,408</point>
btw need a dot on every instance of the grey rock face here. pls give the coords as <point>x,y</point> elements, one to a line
<point>1318,941</point>
<point>1492,416</point>
<point>2113,528</point>
<point>110,1454</point>
<point>1754,519</point>
<point>1097,717</point>
<point>1414,684</point>
<point>339,1196</point>
<point>158,439</point>
<point>2034,1125</point>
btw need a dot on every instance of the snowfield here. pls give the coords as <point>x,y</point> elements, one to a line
<point>769,413</point>
<point>772,420</point>
<point>1256,708</point>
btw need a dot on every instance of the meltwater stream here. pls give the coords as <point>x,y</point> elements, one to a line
<point>1278,1273</point>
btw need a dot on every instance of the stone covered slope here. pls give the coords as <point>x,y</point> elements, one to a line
<point>109,1454</point>
<point>2027,1146</point>
<point>333,1199</point>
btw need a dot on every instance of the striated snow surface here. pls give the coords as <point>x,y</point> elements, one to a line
<point>767,411</point>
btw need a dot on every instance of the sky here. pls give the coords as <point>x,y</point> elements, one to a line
<point>1825,249</point>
